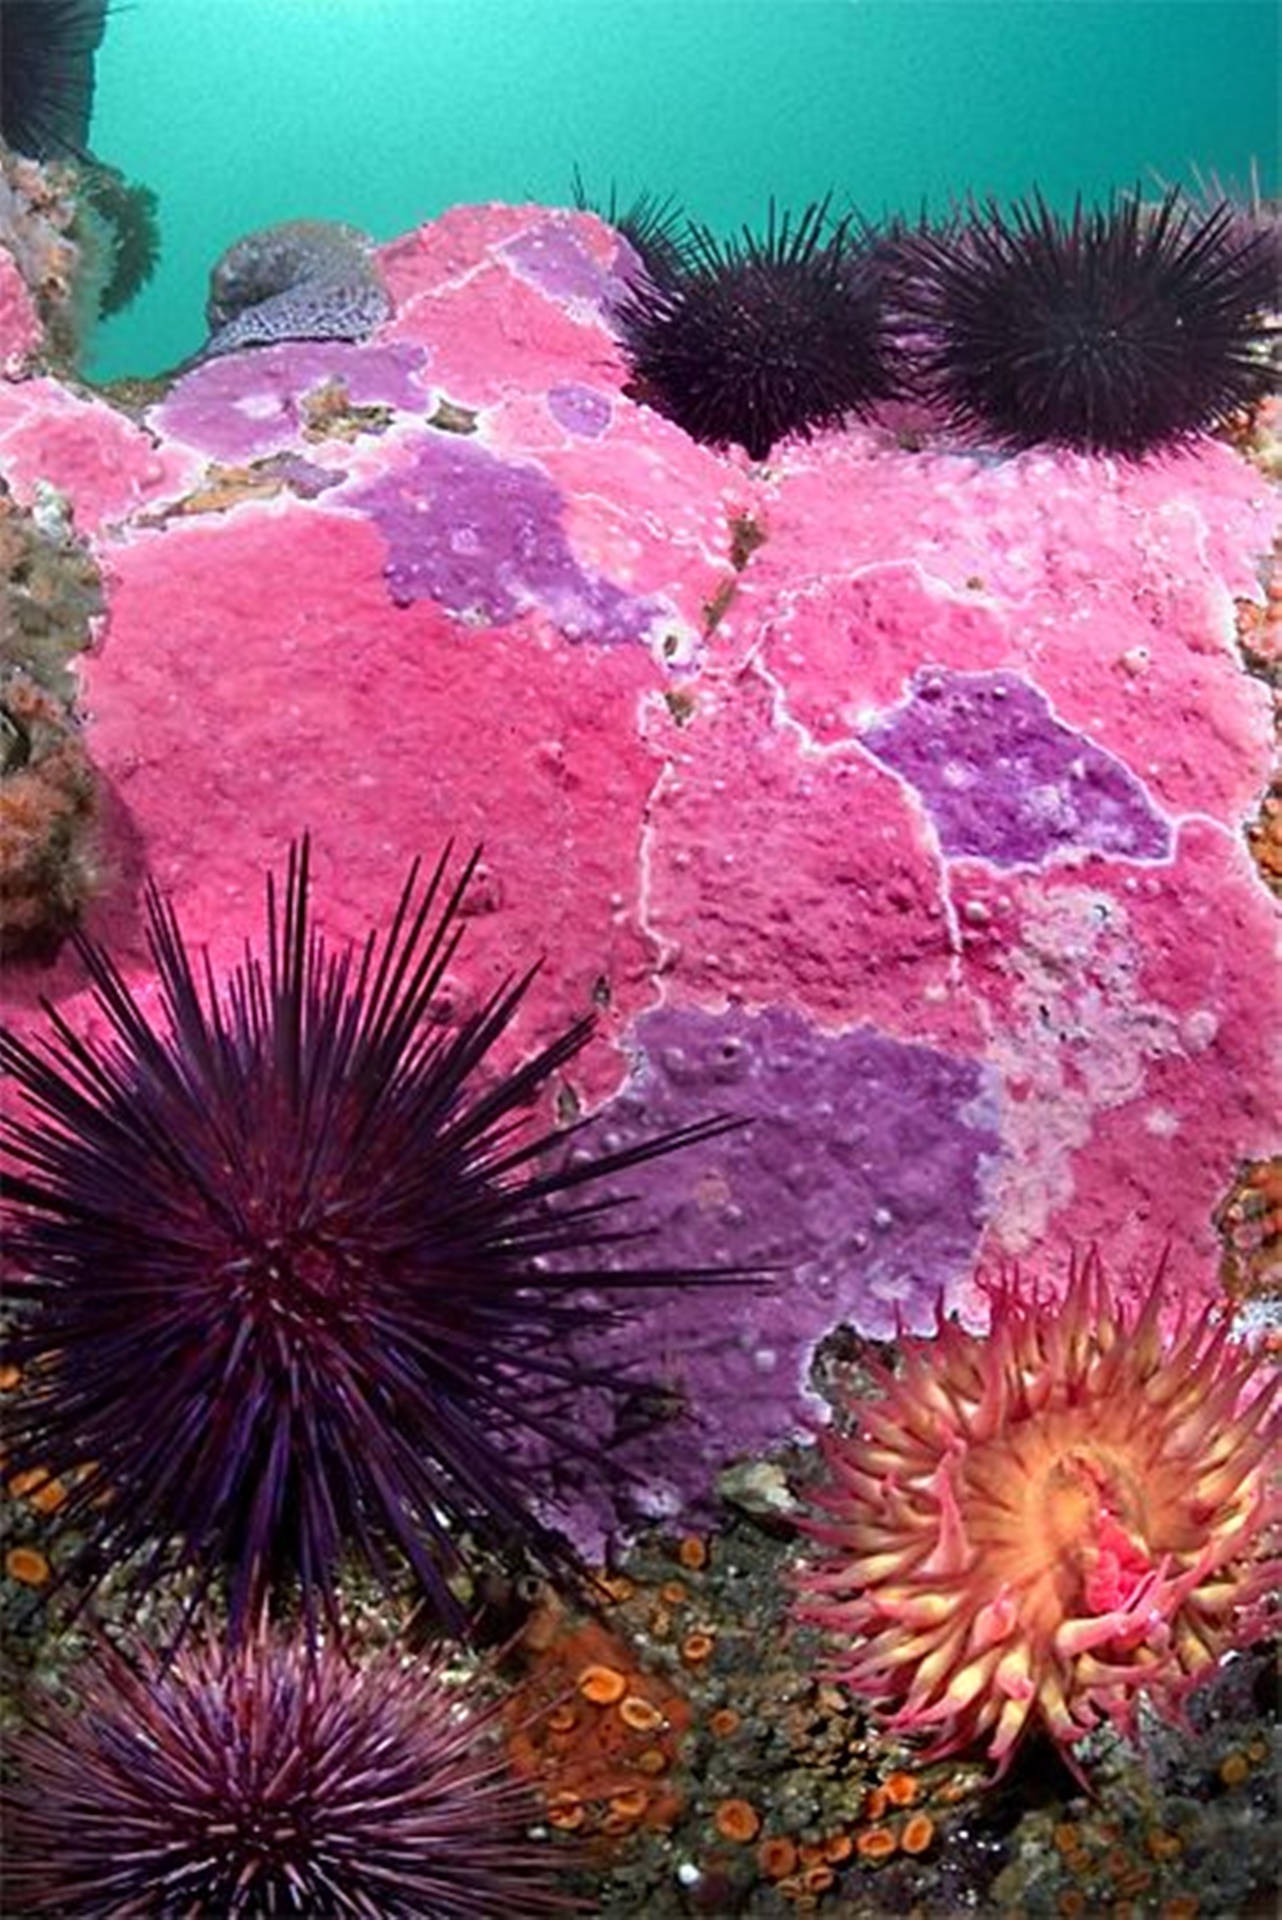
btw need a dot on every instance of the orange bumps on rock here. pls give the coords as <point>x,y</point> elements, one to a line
<point>917,1834</point>
<point>692,1552</point>
<point>696,1648</point>
<point>900,1789</point>
<point>875,1843</point>
<point>565,1811</point>
<point>777,1857</point>
<point>48,1496</point>
<point>1234,1769</point>
<point>639,1714</point>
<point>723,1723</point>
<point>27,1482</point>
<point>1162,1845</point>
<point>737,1820</point>
<point>838,1847</point>
<point>603,1686</point>
<point>631,1803</point>
<point>614,1587</point>
<point>28,1565</point>
<point>10,1377</point>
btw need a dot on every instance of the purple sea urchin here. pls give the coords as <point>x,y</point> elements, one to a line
<point>1110,331</point>
<point>279,1779</point>
<point>291,1265</point>
<point>758,338</point>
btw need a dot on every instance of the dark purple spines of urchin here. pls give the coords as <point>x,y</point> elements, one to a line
<point>759,338</point>
<point>47,52</point>
<point>289,1262</point>
<point>652,225</point>
<point>1118,330</point>
<point>281,1779</point>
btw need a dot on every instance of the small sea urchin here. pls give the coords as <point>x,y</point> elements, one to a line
<point>758,338</point>
<point>290,1268</point>
<point>1033,1528</point>
<point>1115,330</point>
<point>281,1779</point>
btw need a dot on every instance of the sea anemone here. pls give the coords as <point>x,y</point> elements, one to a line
<point>1034,1528</point>
<point>47,52</point>
<point>289,1266</point>
<point>279,1779</point>
<point>1116,330</point>
<point>761,337</point>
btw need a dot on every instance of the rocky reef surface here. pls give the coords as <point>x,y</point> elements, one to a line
<point>908,802</point>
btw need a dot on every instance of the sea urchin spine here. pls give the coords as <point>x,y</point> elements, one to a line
<point>1034,1528</point>
<point>290,1280</point>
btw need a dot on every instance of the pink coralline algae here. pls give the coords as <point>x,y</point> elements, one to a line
<point>890,794</point>
<point>1002,779</point>
<point>484,539</point>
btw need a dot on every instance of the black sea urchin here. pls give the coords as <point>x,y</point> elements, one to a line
<point>758,338</point>
<point>281,1779</point>
<point>46,74</point>
<point>290,1262</point>
<point>1111,331</point>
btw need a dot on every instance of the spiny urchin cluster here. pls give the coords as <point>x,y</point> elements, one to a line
<point>750,340</point>
<point>290,1281</point>
<point>1033,1528</point>
<point>279,1779</point>
<point>1116,330</point>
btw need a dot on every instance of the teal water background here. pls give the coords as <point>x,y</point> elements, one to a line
<point>384,112</point>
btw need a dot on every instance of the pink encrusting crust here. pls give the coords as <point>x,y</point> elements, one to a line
<point>1035,1528</point>
<point>20,331</point>
<point>903,771</point>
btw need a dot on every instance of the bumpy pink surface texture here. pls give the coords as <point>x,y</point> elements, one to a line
<point>951,768</point>
<point>19,327</point>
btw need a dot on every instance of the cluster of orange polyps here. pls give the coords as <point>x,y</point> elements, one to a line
<point>595,1734</point>
<point>893,1821</point>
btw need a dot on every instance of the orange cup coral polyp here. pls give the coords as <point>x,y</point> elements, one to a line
<point>1035,1526</point>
